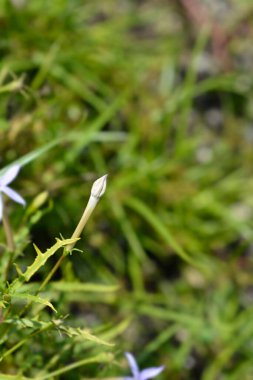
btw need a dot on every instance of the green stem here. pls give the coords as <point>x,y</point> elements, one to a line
<point>10,240</point>
<point>86,214</point>
<point>8,230</point>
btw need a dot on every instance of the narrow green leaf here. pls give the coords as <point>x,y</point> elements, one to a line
<point>80,287</point>
<point>101,358</point>
<point>117,330</point>
<point>172,316</point>
<point>39,261</point>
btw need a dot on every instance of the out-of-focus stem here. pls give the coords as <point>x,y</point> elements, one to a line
<point>9,239</point>
<point>8,230</point>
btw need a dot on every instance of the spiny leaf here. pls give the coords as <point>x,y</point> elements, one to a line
<point>30,323</point>
<point>42,258</point>
<point>19,271</point>
<point>32,298</point>
<point>85,334</point>
<point>38,251</point>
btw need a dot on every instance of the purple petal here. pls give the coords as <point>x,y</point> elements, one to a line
<point>149,373</point>
<point>10,175</point>
<point>1,207</point>
<point>133,365</point>
<point>128,378</point>
<point>13,195</point>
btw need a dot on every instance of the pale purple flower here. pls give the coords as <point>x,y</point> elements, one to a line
<point>5,180</point>
<point>145,374</point>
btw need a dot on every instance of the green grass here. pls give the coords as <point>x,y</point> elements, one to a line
<point>164,266</point>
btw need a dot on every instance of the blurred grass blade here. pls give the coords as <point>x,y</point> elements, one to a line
<point>12,86</point>
<point>31,156</point>
<point>100,358</point>
<point>172,316</point>
<point>79,137</point>
<point>76,86</point>
<point>143,210</point>
<point>117,330</point>
<point>92,129</point>
<point>80,287</point>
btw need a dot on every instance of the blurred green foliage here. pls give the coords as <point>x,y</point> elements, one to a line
<point>162,102</point>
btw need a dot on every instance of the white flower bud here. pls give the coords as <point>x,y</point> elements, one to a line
<point>97,190</point>
<point>98,187</point>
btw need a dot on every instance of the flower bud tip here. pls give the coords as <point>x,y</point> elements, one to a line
<point>99,186</point>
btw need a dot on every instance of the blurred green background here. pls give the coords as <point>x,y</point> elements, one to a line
<point>158,94</point>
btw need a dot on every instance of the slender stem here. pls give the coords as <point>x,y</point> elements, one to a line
<point>9,238</point>
<point>8,230</point>
<point>79,228</point>
<point>86,214</point>
<point>51,273</point>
